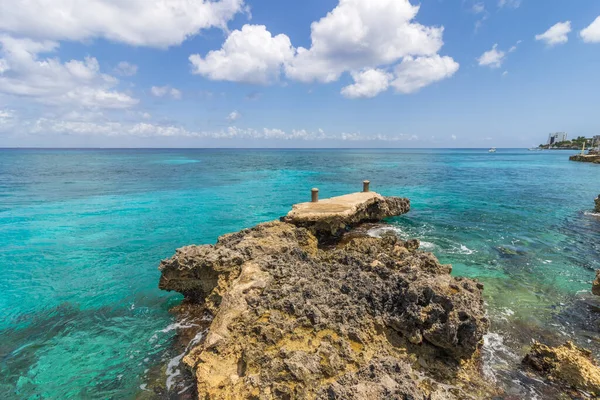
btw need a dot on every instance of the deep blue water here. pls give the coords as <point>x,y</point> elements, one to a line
<point>82,233</point>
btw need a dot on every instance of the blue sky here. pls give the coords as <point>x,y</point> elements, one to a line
<point>311,73</point>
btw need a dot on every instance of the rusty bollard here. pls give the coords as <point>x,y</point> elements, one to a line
<point>366,186</point>
<point>314,195</point>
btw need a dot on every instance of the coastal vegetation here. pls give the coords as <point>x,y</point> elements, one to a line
<point>573,144</point>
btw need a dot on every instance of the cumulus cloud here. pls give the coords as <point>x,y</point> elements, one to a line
<point>361,34</point>
<point>156,23</point>
<point>591,34</point>
<point>162,91</point>
<point>556,34</point>
<point>97,124</point>
<point>250,55</point>
<point>413,74</point>
<point>234,116</point>
<point>49,81</point>
<point>368,83</point>
<point>126,69</point>
<point>365,38</point>
<point>50,126</point>
<point>492,58</point>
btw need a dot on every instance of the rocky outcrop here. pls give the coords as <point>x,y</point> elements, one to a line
<point>332,217</point>
<point>596,284</point>
<point>569,366</point>
<point>363,318</point>
<point>591,158</point>
<point>597,202</point>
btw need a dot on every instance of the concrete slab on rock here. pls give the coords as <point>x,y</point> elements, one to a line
<point>331,217</point>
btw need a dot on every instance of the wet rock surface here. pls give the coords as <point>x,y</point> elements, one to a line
<point>360,318</point>
<point>597,202</point>
<point>569,366</point>
<point>596,284</point>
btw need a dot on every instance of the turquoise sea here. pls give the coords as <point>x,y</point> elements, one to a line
<point>83,231</point>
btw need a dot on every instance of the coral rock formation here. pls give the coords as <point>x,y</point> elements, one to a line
<point>362,318</point>
<point>568,365</point>
<point>596,284</point>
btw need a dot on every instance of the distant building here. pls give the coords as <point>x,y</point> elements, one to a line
<point>596,142</point>
<point>557,137</point>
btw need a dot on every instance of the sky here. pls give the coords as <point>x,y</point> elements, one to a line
<point>309,73</point>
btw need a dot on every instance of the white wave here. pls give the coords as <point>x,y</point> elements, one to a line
<point>178,325</point>
<point>460,249</point>
<point>427,246</point>
<point>496,355</point>
<point>173,370</point>
<point>382,230</point>
<point>593,214</point>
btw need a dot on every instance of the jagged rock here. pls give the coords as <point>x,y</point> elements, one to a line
<point>596,284</point>
<point>366,318</point>
<point>568,365</point>
<point>332,217</point>
<point>597,201</point>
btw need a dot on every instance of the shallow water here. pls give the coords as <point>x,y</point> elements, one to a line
<point>82,233</point>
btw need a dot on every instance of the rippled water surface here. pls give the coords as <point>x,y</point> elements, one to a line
<point>82,233</point>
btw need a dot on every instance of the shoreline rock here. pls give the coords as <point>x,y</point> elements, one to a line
<point>597,204</point>
<point>569,366</point>
<point>361,318</point>
<point>591,158</point>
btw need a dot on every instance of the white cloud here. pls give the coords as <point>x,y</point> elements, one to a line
<point>47,80</point>
<point>3,66</point>
<point>413,74</point>
<point>492,58</point>
<point>234,116</point>
<point>591,34</point>
<point>7,118</point>
<point>557,34</point>
<point>251,55</point>
<point>95,124</point>
<point>453,137</point>
<point>156,23</point>
<point>368,83</point>
<point>126,69</point>
<point>478,8</point>
<point>505,73</point>
<point>361,34</point>
<point>509,3</point>
<point>362,37</point>
<point>162,91</point>
<point>175,93</point>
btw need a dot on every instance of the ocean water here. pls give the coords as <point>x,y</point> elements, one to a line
<point>83,231</point>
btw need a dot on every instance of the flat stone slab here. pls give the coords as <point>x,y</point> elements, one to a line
<point>333,216</point>
<point>345,205</point>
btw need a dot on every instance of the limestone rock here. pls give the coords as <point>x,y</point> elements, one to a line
<point>596,284</point>
<point>597,201</point>
<point>568,365</point>
<point>367,318</point>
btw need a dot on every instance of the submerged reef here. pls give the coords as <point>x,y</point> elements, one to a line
<point>309,307</point>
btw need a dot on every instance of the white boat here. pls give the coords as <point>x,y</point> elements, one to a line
<point>492,150</point>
